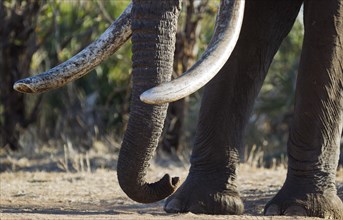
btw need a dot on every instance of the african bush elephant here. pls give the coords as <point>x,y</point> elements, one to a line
<point>234,65</point>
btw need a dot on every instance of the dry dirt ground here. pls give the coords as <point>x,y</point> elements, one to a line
<point>72,187</point>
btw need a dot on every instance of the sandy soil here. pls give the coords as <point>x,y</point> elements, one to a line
<point>31,192</point>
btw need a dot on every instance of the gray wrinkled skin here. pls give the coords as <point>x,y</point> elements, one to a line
<point>228,25</point>
<point>211,187</point>
<point>228,99</point>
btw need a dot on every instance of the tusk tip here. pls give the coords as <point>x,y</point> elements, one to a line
<point>154,97</point>
<point>149,98</point>
<point>23,86</point>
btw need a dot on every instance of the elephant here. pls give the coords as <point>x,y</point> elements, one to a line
<point>247,35</point>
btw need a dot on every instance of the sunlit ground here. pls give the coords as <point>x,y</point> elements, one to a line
<point>61,183</point>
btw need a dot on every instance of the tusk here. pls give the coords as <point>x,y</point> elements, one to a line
<point>228,26</point>
<point>80,64</point>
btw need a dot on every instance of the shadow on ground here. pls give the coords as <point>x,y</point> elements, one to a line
<point>41,188</point>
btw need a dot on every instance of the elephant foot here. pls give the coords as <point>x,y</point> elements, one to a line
<point>205,194</point>
<point>323,205</point>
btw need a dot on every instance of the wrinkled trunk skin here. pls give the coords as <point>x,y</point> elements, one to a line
<point>154,28</point>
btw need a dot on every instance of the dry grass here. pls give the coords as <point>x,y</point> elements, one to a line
<point>64,184</point>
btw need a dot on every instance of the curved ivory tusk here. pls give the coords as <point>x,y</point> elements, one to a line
<point>228,25</point>
<point>80,64</point>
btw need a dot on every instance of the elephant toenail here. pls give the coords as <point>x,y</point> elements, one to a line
<point>295,210</point>
<point>328,215</point>
<point>272,210</point>
<point>174,206</point>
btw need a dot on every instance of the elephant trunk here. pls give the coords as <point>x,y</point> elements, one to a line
<point>154,27</point>
<point>224,39</point>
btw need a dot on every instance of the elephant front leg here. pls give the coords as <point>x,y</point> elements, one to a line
<point>210,187</point>
<point>207,193</point>
<point>313,146</point>
<point>226,105</point>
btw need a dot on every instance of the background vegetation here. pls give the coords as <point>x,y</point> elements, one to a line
<point>37,35</point>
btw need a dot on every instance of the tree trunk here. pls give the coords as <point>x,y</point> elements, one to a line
<point>185,55</point>
<point>17,45</point>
